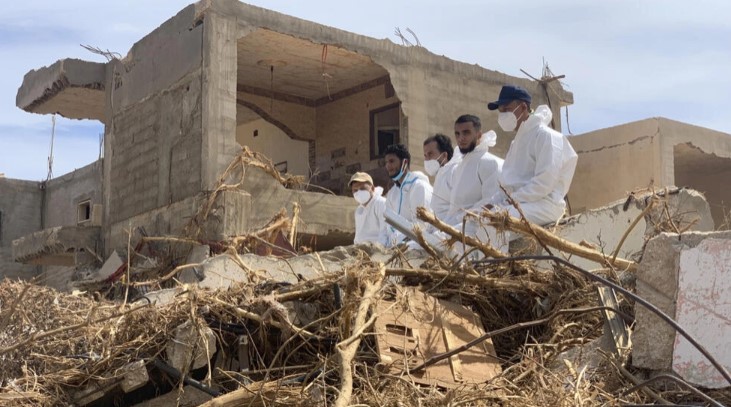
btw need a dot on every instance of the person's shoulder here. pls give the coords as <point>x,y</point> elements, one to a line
<point>421,178</point>
<point>546,131</point>
<point>491,159</point>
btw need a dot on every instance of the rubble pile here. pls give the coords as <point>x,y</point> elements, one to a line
<point>182,321</point>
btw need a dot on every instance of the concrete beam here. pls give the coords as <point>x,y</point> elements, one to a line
<point>70,87</point>
<point>56,246</point>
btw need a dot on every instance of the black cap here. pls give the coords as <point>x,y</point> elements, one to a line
<point>508,94</point>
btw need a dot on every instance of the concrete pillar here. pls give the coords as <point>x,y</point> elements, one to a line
<point>686,276</point>
<point>218,96</point>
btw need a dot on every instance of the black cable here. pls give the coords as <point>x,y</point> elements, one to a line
<point>628,293</point>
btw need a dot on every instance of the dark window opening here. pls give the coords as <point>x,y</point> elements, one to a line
<point>385,129</point>
<point>281,167</point>
<point>83,212</point>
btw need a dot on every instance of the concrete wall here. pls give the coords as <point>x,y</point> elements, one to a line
<point>433,89</point>
<point>613,162</point>
<point>63,194</point>
<point>605,227</point>
<point>20,215</point>
<point>153,141</point>
<point>621,159</point>
<point>275,144</point>
<point>710,182</point>
<point>345,123</point>
<point>299,119</point>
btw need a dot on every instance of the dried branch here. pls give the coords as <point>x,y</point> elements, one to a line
<point>347,348</point>
<point>429,217</point>
<point>505,221</point>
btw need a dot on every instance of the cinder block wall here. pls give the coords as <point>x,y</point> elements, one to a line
<point>153,149</point>
<point>63,194</point>
<point>20,214</point>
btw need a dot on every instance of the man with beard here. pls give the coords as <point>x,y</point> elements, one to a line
<point>475,176</point>
<point>411,189</point>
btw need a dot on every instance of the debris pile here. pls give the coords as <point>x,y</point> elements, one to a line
<point>386,328</point>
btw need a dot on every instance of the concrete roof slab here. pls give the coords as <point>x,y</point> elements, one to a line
<point>70,87</point>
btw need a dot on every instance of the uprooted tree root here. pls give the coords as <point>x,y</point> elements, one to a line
<point>303,365</point>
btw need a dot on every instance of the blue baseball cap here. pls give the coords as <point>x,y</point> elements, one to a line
<point>508,94</point>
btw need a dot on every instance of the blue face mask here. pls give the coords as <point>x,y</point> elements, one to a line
<point>401,172</point>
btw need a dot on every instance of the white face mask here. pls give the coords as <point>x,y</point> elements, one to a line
<point>507,120</point>
<point>432,167</point>
<point>362,196</point>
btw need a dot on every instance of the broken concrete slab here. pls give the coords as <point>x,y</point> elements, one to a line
<point>604,228</point>
<point>703,307</point>
<point>113,263</point>
<point>56,246</point>
<point>221,272</point>
<point>190,348</point>
<point>71,87</point>
<point>198,254</point>
<point>685,277</point>
<point>218,272</point>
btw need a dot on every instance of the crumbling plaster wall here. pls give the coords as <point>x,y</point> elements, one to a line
<point>673,133</point>
<point>20,215</point>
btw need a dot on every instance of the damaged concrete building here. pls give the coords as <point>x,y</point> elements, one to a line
<point>320,102</point>
<point>323,103</point>
<point>652,153</point>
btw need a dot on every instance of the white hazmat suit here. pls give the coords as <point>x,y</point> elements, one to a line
<point>474,180</point>
<point>404,198</point>
<point>443,189</point>
<point>538,170</point>
<point>370,225</point>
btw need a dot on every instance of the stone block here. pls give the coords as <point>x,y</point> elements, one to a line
<point>135,376</point>
<point>703,307</point>
<point>190,347</point>
<point>685,276</point>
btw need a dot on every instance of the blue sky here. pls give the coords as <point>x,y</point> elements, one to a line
<point>624,60</point>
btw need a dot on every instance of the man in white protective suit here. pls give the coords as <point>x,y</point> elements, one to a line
<point>370,225</point>
<point>475,176</point>
<point>411,189</point>
<point>540,163</point>
<point>439,162</point>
